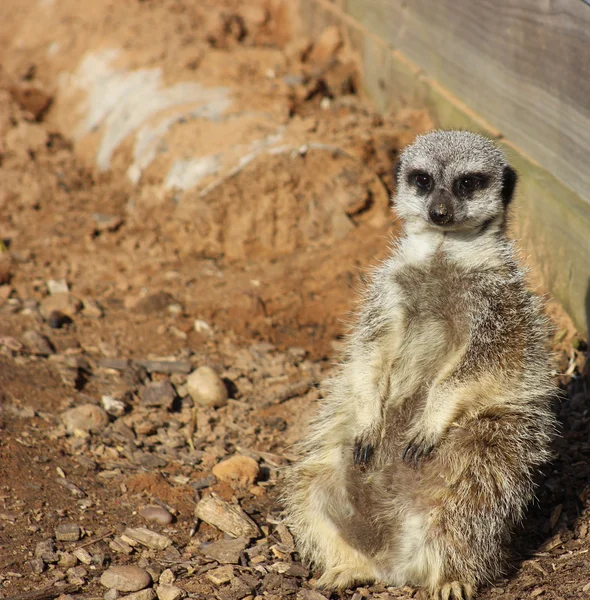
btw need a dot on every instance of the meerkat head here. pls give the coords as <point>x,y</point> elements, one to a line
<point>453,181</point>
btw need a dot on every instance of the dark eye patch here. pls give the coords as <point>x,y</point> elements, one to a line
<point>420,179</point>
<point>468,183</point>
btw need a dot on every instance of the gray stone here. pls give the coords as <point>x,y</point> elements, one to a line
<point>169,592</point>
<point>67,532</point>
<point>148,594</point>
<point>126,578</point>
<point>226,551</point>
<point>113,406</point>
<point>67,560</point>
<point>205,387</point>
<point>157,514</point>
<point>147,537</point>
<point>37,343</point>
<point>37,565</point>
<point>161,393</point>
<point>87,417</point>
<point>46,551</point>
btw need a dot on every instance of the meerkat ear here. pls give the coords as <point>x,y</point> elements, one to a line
<point>509,178</point>
<point>397,170</point>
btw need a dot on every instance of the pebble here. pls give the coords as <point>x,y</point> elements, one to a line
<point>167,577</point>
<point>157,514</point>
<point>57,286</point>
<point>67,560</point>
<point>77,575</point>
<point>112,595</point>
<point>83,555</point>
<point>87,417</point>
<point>205,387</point>
<point>91,309</point>
<point>239,469</point>
<point>220,575</point>
<point>148,538</point>
<point>46,551</point>
<point>148,594</point>
<point>169,592</point>
<point>37,565</point>
<point>125,578</point>
<point>63,302</point>
<point>37,343</point>
<point>113,407</point>
<point>67,532</point>
<point>161,393</point>
<point>226,551</point>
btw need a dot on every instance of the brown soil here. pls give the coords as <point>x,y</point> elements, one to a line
<point>265,257</point>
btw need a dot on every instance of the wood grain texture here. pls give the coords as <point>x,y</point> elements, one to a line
<point>524,65</point>
<point>550,221</point>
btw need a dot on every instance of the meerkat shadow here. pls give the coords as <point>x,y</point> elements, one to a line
<point>564,484</point>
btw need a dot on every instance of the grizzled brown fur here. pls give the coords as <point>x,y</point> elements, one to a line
<point>422,457</point>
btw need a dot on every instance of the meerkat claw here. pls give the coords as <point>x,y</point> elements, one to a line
<point>416,450</point>
<point>362,453</point>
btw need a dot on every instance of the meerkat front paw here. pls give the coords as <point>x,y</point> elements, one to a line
<point>419,447</point>
<point>362,452</point>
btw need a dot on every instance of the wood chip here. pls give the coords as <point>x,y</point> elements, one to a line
<point>229,518</point>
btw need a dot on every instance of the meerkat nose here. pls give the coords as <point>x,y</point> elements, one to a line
<point>440,213</point>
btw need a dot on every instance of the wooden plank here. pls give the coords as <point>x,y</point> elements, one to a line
<point>550,221</point>
<point>524,65</point>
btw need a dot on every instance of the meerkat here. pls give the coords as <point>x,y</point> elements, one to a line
<point>421,460</point>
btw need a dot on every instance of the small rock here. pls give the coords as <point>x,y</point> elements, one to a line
<point>204,482</point>
<point>32,98</point>
<point>62,302</point>
<point>167,577</point>
<point>112,595</point>
<point>76,575</point>
<point>586,588</point>
<point>113,406</point>
<point>161,393</point>
<point>37,565</point>
<point>67,560</point>
<point>87,417</point>
<point>239,469</point>
<point>46,551</point>
<point>226,551</point>
<point>169,592</point>
<point>121,546</point>
<point>157,514</point>
<point>148,538</point>
<point>226,517</point>
<point>37,343</point>
<point>201,326</point>
<point>83,555</point>
<point>221,575</point>
<point>57,286</point>
<point>67,532</point>
<point>125,579</point>
<point>206,387</point>
<point>148,594</point>
<point>91,309</point>
<point>310,595</point>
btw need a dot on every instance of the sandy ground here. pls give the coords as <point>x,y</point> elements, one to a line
<point>188,184</point>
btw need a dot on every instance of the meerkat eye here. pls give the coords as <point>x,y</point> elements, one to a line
<point>422,180</point>
<point>469,183</point>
